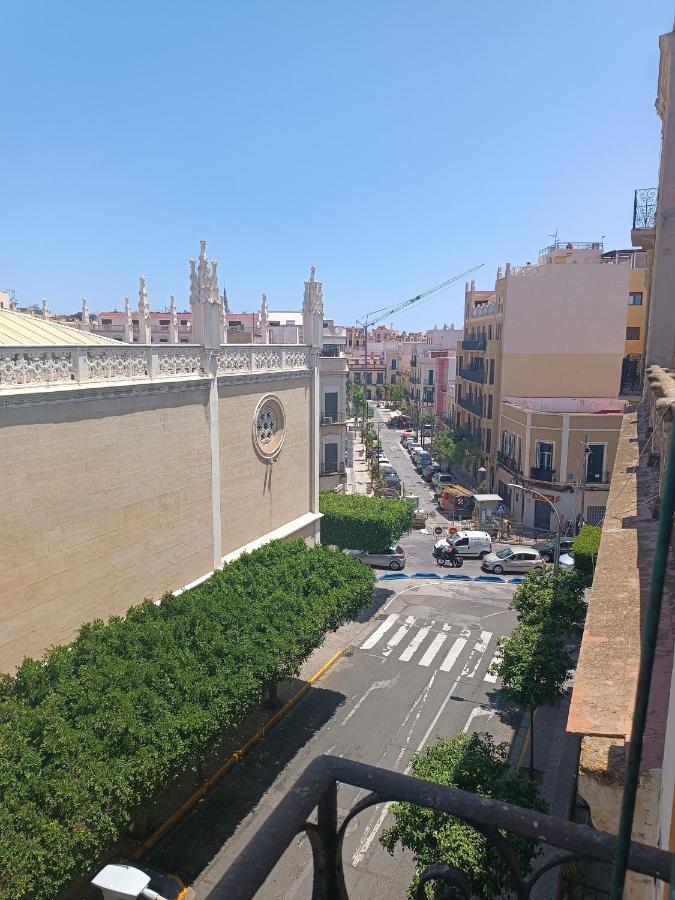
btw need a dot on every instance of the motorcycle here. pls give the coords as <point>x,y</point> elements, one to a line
<point>455,562</point>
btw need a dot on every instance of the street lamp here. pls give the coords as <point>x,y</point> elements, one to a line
<point>538,496</point>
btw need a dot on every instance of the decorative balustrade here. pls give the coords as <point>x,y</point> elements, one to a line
<point>473,373</point>
<point>40,366</point>
<point>317,788</point>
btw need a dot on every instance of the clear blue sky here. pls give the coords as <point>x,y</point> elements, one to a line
<point>390,144</point>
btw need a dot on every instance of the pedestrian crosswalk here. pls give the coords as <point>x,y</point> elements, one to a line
<point>428,642</point>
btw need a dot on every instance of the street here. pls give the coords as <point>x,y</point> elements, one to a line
<point>415,669</point>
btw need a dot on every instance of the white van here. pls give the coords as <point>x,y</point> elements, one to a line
<point>472,543</point>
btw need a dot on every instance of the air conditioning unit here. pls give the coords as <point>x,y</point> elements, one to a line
<point>327,420</point>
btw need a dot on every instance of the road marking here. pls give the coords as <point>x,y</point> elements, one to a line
<point>479,649</point>
<point>378,685</point>
<point>475,713</point>
<point>455,650</point>
<point>379,632</point>
<point>413,646</point>
<point>491,676</point>
<point>398,637</point>
<point>434,647</point>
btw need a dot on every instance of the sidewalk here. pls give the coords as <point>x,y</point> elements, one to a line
<point>358,476</point>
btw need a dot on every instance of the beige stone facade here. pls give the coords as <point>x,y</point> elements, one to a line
<point>108,496</point>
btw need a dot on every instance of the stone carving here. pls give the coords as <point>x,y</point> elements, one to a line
<point>36,367</point>
<point>45,309</point>
<point>143,305</point>
<point>172,311</point>
<point>230,360</point>
<point>86,321</point>
<point>312,302</point>
<point>128,322</point>
<point>266,425</point>
<point>180,363</point>
<point>295,359</point>
<point>267,359</point>
<point>107,365</point>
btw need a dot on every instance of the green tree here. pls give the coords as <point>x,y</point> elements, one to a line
<point>545,599</point>
<point>352,521</point>
<point>445,449</point>
<point>379,391</point>
<point>97,729</point>
<point>586,546</point>
<point>533,665</point>
<point>471,763</point>
<point>397,395</point>
<point>358,401</point>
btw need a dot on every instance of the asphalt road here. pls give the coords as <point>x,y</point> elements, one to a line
<point>415,669</point>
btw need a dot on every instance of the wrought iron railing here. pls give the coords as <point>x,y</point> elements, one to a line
<point>508,463</point>
<point>472,373</point>
<point>474,344</point>
<point>644,209</point>
<point>474,406</point>
<point>540,473</point>
<point>316,789</point>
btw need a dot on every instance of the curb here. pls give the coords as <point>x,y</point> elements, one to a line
<point>236,757</point>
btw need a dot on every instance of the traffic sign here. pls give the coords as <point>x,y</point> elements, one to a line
<point>438,530</point>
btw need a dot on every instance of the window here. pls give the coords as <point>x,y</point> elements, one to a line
<point>357,377</point>
<point>165,321</point>
<point>106,321</point>
<point>544,455</point>
<point>489,407</point>
<point>183,340</point>
<point>488,439</point>
<point>595,463</point>
<point>369,378</point>
<point>431,377</point>
<point>507,444</point>
<point>595,514</point>
<point>330,458</point>
<point>164,340</point>
<point>183,321</point>
<point>393,365</point>
<point>635,299</point>
<point>233,324</point>
<point>632,334</point>
<point>492,371</point>
<point>393,379</point>
<point>330,405</point>
<point>134,321</point>
<point>380,378</point>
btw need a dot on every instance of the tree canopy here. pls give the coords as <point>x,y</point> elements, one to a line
<point>472,763</point>
<point>95,729</point>
<point>547,599</point>
<point>352,521</point>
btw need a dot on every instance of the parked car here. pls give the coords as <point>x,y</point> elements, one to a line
<point>428,472</point>
<point>391,558</point>
<point>392,480</point>
<point>384,461</point>
<point>513,559</point>
<point>415,450</point>
<point>387,469</point>
<point>409,443</point>
<point>566,562</point>
<point>548,549</point>
<point>406,435</point>
<point>422,460</point>
<point>467,543</point>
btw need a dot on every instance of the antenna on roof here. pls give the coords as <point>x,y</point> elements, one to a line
<point>554,236</point>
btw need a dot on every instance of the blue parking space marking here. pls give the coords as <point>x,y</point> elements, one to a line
<point>434,576</point>
<point>392,577</point>
<point>489,578</point>
<point>425,575</point>
<point>516,580</point>
<point>457,578</point>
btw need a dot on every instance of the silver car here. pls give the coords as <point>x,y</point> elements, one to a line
<point>513,559</point>
<point>391,558</point>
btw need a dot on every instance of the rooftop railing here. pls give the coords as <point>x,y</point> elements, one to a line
<point>317,788</point>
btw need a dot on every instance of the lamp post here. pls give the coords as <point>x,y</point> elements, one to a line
<point>538,496</point>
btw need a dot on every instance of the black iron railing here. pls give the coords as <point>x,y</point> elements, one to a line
<point>333,417</point>
<point>473,374</point>
<point>474,406</point>
<point>474,344</point>
<point>316,789</point>
<point>644,209</point>
<point>508,463</point>
<point>540,473</point>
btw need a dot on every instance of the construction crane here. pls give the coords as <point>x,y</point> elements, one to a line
<point>378,315</point>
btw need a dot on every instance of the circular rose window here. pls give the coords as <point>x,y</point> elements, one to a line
<point>269,423</point>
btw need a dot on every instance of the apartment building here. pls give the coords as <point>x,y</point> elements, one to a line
<point>371,378</point>
<point>540,371</point>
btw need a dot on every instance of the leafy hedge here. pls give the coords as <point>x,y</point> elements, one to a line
<point>363,523</point>
<point>97,728</point>
<point>585,550</point>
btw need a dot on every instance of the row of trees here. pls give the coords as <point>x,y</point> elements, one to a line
<point>97,729</point>
<point>534,665</point>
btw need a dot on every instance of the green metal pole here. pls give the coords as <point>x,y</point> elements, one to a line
<point>647,654</point>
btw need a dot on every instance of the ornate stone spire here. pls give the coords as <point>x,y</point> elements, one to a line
<point>144,329</point>
<point>264,320</point>
<point>205,300</point>
<point>128,323</point>
<point>173,321</point>
<point>45,309</point>
<point>312,312</point>
<point>85,321</point>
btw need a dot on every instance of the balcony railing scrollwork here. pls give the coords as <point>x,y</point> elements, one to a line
<point>644,209</point>
<point>473,406</point>
<point>317,788</point>
<point>473,374</point>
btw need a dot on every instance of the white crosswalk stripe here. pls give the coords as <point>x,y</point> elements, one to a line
<point>379,632</point>
<point>434,647</point>
<point>490,676</point>
<point>412,647</point>
<point>478,645</point>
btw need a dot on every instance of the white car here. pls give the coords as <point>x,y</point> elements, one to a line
<point>513,559</point>
<point>566,562</point>
<point>383,461</point>
<point>467,543</point>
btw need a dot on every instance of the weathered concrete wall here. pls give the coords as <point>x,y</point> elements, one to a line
<point>109,495</point>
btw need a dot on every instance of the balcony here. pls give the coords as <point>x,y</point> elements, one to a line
<point>332,469</point>
<point>473,406</point>
<point>316,789</point>
<point>644,209</point>
<point>474,344</point>
<point>597,478</point>
<point>463,434</point>
<point>508,463</point>
<point>333,417</point>
<point>540,473</point>
<point>473,374</point>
